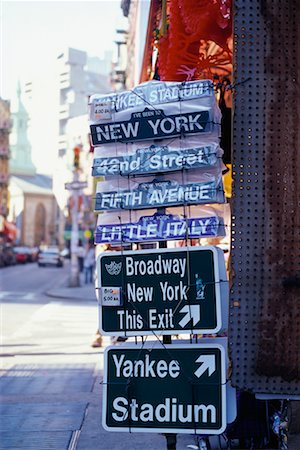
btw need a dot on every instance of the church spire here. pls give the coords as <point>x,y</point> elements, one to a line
<point>20,162</point>
<point>19,91</point>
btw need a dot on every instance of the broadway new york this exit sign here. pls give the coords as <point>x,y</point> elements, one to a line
<point>165,291</point>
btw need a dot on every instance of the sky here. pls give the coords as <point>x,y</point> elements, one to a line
<point>34,33</point>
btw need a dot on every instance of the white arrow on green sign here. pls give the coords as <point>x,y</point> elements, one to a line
<point>208,363</point>
<point>165,291</point>
<point>191,314</point>
<point>163,388</point>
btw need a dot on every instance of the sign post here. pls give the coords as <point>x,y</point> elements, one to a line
<point>160,386</point>
<point>164,291</point>
<point>165,388</point>
<point>75,186</point>
<point>74,272</point>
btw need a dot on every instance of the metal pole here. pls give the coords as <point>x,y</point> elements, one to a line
<point>74,272</point>
<point>171,441</point>
<point>170,437</point>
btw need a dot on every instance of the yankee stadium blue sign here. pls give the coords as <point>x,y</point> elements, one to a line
<point>157,158</point>
<point>151,124</point>
<point>153,92</point>
<point>160,227</point>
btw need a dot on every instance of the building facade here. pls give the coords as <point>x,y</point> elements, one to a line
<point>32,205</point>
<point>5,127</point>
<point>79,76</point>
<point>33,209</point>
<point>138,17</point>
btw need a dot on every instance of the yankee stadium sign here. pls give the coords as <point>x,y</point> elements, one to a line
<point>160,193</point>
<point>151,124</point>
<point>159,227</point>
<point>157,159</point>
<point>165,388</point>
<point>153,92</point>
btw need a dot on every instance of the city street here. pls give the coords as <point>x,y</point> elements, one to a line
<point>50,375</point>
<point>22,289</point>
<point>47,360</point>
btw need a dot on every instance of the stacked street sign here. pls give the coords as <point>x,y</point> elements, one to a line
<point>174,223</point>
<point>153,110</point>
<point>157,146</point>
<point>157,152</point>
<point>166,190</point>
<point>153,158</point>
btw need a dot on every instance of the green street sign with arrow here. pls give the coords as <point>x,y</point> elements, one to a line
<point>165,291</point>
<point>171,388</point>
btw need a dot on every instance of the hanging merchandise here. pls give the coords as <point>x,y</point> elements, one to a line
<point>154,110</point>
<point>150,124</point>
<point>197,42</point>
<point>174,189</point>
<point>182,154</point>
<point>154,94</point>
<point>147,226</point>
<point>180,165</point>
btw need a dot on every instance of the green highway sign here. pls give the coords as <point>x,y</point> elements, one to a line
<point>171,388</point>
<point>165,291</point>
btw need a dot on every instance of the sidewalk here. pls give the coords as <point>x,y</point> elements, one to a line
<point>77,293</point>
<point>83,292</point>
<point>48,371</point>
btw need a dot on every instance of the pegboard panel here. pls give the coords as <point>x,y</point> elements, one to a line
<point>264,332</point>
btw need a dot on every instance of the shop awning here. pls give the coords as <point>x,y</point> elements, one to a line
<point>10,230</point>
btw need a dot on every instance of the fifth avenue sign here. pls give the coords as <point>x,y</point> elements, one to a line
<point>165,291</point>
<point>170,388</point>
<point>159,193</point>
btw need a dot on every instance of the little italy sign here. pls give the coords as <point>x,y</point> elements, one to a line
<point>174,388</point>
<point>165,291</point>
<point>159,227</point>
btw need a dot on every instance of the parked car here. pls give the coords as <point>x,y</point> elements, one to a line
<point>21,254</point>
<point>1,258</point>
<point>50,257</point>
<point>9,255</point>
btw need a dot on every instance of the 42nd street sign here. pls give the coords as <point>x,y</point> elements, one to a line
<point>165,291</point>
<point>174,388</point>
